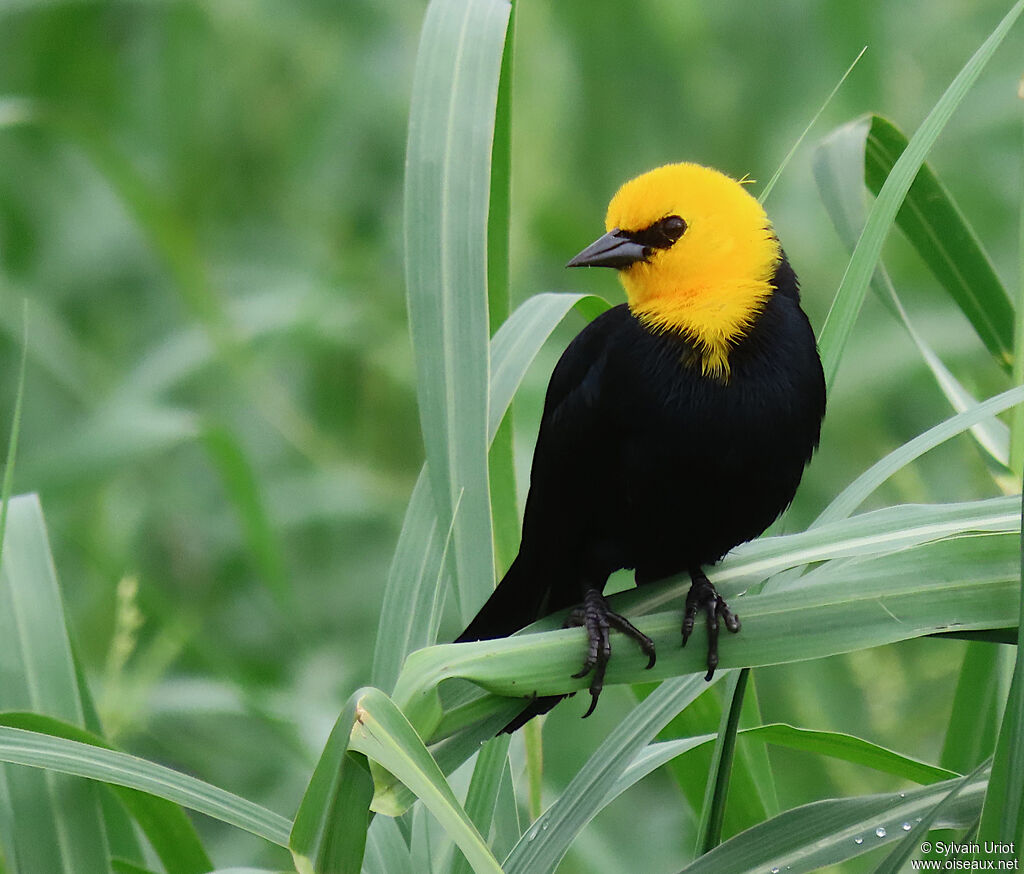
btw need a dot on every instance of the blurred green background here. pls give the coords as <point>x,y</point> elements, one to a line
<point>201,203</point>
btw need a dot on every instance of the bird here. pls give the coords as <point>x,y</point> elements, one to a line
<point>675,426</point>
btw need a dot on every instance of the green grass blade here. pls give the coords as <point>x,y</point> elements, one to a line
<point>858,491</point>
<point>330,829</point>
<point>709,830</point>
<point>383,734</point>
<point>501,457</point>
<point>974,720</point>
<point>850,749</point>
<point>942,236</point>
<point>825,833</point>
<point>57,823</point>
<point>386,849</point>
<point>547,840</point>
<point>894,862</point>
<point>7,486</point>
<point>447,187</point>
<point>108,766</point>
<point>412,595</point>
<point>853,287</point>
<point>833,744</point>
<point>482,797</point>
<point>767,190</point>
<point>167,828</point>
<point>839,170</point>
<point>243,489</point>
<point>1003,817</point>
<point>1017,422</point>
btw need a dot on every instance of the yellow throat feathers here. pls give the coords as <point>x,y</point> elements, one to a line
<point>713,281</point>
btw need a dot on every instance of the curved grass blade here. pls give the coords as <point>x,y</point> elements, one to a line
<point>547,840</point>
<point>967,582</point>
<point>383,734</point>
<point>481,799</point>
<point>447,188</point>
<point>330,829</point>
<point>167,828</point>
<point>709,829</point>
<point>37,750</point>
<point>867,252</point>
<point>839,170</point>
<point>858,491</point>
<point>813,836</point>
<point>893,863</point>
<point>767,190</point>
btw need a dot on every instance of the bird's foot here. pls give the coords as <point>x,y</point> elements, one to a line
<point>704,597</point>
<point>595,616</point>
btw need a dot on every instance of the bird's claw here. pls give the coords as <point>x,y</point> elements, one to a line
<point>598,620</point>
<point>704,597</point>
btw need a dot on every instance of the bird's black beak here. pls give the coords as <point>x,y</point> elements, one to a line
<point>614,249</point>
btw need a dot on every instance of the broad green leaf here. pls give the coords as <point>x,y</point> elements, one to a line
<point>21,747</point>
<point>548,839</point>
<point>824,833</point>
<point>165,825</point>
<point>329,833</point>
<point>383,734</point>
<point>447,188</point>
<point>839,169</point>
<point>880,596</point>
<point>853,287</point>
<point>56,823</point>
<point>937,229</point>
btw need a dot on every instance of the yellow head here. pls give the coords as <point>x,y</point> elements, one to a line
<point>706,276</point>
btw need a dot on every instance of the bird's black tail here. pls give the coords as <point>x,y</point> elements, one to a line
<point>513,605</point>
<point>518,600</point>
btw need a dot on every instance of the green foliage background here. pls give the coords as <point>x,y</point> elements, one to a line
<point>202,204</point>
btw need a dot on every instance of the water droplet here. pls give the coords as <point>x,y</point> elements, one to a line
<point>880,831</point>
<point>903,795</point>
<point>858,840</point>
<point>544,827</point>
<point>906,826</point>
<point>531,835</point>
<point>775,869</point>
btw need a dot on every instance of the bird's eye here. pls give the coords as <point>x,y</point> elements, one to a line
<point>673,227</point>
<point>662,234</point>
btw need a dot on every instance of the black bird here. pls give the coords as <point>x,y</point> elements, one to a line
<point>675,426</point>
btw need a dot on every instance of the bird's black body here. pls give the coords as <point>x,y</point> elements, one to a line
<point>644,462</point>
